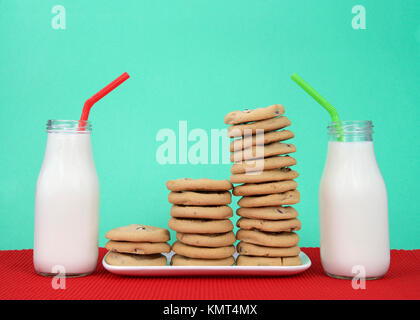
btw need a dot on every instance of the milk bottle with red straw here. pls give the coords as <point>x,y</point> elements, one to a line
<point>67,197</point>
<point>353,203</point>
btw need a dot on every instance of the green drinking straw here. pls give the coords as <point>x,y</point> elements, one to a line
<point>322,101</point>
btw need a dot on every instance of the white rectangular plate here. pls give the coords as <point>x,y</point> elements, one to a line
<point>171,271</point>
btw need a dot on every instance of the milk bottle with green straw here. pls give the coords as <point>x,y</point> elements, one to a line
<point>353,205</point>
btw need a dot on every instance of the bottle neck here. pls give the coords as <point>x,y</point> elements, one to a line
<point>68,142</point>
<point>69,148</point>
<point>350,131</point>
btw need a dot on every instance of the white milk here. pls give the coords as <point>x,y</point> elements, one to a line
<point>353,212</point>
<point>67,205</point>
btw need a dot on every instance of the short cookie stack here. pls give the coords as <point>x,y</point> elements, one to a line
<point>200,216</point>
<point>261,166</point>
<point>137,245</point>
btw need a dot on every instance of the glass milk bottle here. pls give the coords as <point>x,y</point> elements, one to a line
<point>353,205</point>
<point>67,202</point>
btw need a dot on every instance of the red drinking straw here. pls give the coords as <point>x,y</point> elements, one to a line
<point>102,93</point>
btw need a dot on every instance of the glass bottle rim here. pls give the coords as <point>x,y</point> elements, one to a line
<point>68,126</point>
<point>350,127</point>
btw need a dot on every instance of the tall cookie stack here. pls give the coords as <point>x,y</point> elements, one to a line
<point>200,216</point>
<point>137,245</point>
<point>261,167</point>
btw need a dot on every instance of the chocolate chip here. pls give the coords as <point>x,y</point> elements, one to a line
<point>279,211</point>
<point>140,228</point>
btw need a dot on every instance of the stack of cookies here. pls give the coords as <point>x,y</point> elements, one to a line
<point>137,245</point>
<point>261,167</point>
<point>200,216</point>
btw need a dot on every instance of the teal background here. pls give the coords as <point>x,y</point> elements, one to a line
<point>197,60</point>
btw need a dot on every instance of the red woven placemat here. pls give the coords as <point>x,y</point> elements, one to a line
<point>18,280</point>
